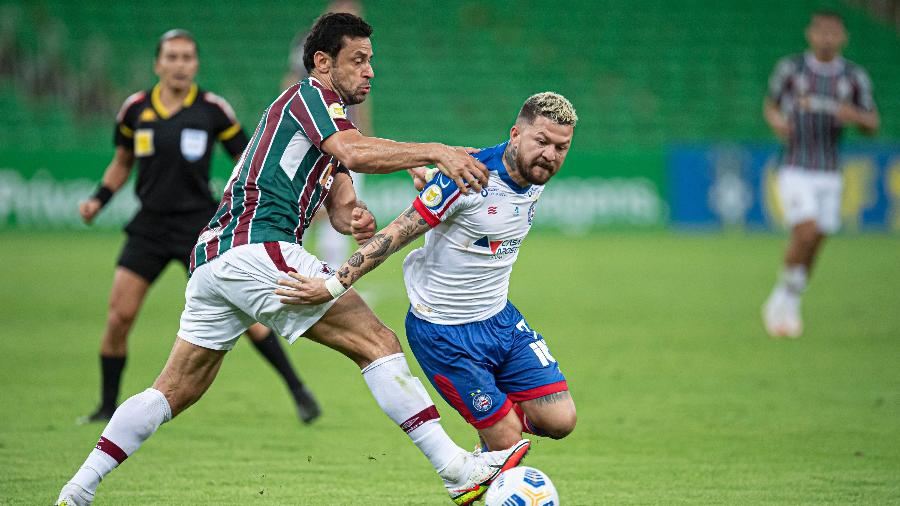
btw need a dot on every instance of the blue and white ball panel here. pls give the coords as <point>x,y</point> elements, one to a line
<point>481,368</point>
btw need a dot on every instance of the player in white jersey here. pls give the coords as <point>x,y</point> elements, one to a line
<point>474,345</point>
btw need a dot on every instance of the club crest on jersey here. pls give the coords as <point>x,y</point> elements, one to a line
<point>432,196</point>
<point>148,115</point>
<point>482,402</point>
<point>336,110</point>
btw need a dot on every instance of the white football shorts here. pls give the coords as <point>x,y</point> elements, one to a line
<point>811,195</point>
<point>234,290</point>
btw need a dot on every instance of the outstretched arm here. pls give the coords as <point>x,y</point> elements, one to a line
<point>403,230</point>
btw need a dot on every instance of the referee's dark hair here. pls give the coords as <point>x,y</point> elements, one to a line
<point>175,33</point>
<point>827,14</point>
<point>327,35</point>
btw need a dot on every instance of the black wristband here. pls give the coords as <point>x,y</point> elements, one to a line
<point>103,194</point>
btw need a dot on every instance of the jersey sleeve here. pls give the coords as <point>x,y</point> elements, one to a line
<point>319,113</point>
<point>862,90</point>
<point>126,120</point>
<point>225,125</point>
<point>780,79</point>
<point>439,200</point>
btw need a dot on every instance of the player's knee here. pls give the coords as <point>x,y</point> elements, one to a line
<point>381,342</point>
<point>562,425</point>
<point>120,318</point>
<point>558,424</point>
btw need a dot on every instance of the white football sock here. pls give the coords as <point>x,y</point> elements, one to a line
<point>405,401</point>
<point>793,279</point>
<point>134,421</point>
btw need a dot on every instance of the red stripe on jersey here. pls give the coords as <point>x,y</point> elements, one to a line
<point>251,191</point>
<point>534,393</point>
<point>308,189</point>
<point>274,251</point>
<point>416,421</point>
<point>450,201</point>
<point>426,213</point>
<point>132,99</point>
<point>302,114</point>
<point>112,449</point>
<point>212,247</point>
<point>222,103</point>
<point>330,97</point>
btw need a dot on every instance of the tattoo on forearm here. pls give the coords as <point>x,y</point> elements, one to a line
<point>383,245</point>
<point>406,228</point>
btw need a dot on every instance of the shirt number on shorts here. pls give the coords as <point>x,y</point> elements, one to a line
<point>543,354</point>
<point>539,346</point>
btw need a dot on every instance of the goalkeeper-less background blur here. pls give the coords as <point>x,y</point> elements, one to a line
<point>651,254</point>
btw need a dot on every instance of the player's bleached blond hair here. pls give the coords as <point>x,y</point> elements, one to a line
<point>550,105</point>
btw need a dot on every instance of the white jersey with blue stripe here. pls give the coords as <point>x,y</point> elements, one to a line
<point>461,274</point>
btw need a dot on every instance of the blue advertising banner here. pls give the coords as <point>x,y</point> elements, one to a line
<point>734,186</point>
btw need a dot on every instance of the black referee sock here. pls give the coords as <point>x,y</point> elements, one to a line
<point>271,349</point>
<point>112,374</point>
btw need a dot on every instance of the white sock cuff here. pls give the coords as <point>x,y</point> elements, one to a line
<point>384,360</point>
<point>158,401</point>
<point>794,278</point>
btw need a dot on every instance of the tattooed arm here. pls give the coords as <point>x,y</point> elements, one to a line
<point>402,231</point>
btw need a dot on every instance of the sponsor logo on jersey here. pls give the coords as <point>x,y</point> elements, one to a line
<point>482,402</point>
<point>193,144</point>
<point>336,110</point>
<point>148,115</point>
<point>432,196</point>
<point>492,209</point>
<point>498,249</point>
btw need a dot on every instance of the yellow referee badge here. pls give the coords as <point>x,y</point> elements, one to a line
<point>336,110</point>
<point>143,142</point>
<point>432,195</point>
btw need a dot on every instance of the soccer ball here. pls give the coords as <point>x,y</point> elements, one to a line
<point>522,486</point>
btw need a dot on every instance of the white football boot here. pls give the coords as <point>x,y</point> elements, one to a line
<point>74,495</point>
<point>781,315</point>
<point>487,467</point>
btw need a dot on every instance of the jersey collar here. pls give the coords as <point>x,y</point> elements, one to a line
<point>161,109</point>
<point>504,175</point>
<point>826,68</point>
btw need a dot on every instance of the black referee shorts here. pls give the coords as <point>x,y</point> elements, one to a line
<point>156,239</point>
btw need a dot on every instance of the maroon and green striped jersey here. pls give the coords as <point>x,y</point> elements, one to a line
<point>282,177</point>
<point>809,93</point>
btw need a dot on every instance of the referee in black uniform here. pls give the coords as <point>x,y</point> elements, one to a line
<point>171,130</point>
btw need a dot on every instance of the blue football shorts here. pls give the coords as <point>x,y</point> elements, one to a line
<point>482,368</point>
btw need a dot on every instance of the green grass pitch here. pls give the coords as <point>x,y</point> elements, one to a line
<point>682,399</point>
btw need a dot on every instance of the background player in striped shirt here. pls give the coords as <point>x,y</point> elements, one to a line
<point>295,163</point>
<point>475,346</point>
<point>170,131</point>
<point>811,98</point>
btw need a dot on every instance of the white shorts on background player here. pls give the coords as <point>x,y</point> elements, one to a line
<point>811,195</point>
<point>233,291</point>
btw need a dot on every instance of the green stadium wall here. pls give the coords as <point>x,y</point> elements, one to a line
<point>644,75</point>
